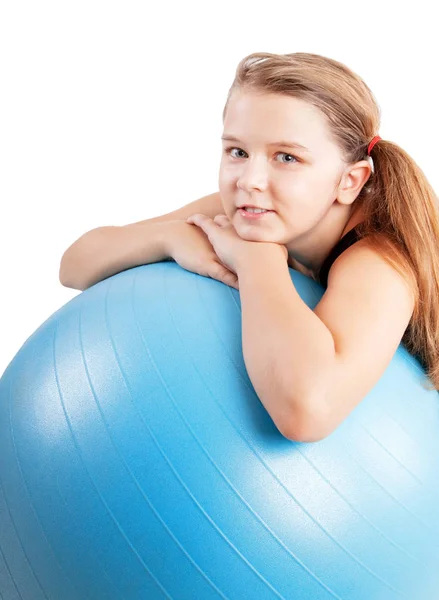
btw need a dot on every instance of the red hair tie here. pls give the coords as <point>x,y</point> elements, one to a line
<point>372,144</point>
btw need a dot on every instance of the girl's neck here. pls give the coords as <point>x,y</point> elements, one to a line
<point>355,218</point>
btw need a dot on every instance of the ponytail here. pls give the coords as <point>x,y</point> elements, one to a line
<point>399,201</point>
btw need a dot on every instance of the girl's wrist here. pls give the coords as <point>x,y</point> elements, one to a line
<point>261,255</point>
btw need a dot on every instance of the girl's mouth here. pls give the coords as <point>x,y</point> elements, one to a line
<point>254,214</point>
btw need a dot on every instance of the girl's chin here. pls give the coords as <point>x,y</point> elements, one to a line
<point>250,235</point>
<point>252,231</point>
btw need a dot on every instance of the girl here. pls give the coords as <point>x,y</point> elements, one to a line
<point>305,178</point>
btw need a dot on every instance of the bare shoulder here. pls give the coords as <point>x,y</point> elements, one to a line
<point>365,291</point>
<point>367,307</point>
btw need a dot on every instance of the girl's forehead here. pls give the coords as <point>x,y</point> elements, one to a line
<point>274,117</point>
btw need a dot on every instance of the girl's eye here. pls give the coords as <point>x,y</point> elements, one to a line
<point>230,151</point>
<point>290,156</point>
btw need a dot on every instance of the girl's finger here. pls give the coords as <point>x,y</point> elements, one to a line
<point>200,220</point>
<point>221,220</point>
<point>192,219</point>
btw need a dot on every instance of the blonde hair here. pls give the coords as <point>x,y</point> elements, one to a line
<point>399,204</point>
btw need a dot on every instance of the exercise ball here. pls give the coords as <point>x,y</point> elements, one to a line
<point>138,463</point>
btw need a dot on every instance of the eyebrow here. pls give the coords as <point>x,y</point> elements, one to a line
<point>232,138</point>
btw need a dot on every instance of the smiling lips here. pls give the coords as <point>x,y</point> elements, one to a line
<point>252,206</point>
<point>253,212</point>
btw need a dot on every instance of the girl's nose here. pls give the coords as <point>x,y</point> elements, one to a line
<point>254,175</point>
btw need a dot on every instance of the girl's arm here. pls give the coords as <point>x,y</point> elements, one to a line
<point>104,251</point>
<point>310,368</point>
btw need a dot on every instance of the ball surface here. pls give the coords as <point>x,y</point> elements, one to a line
<point>137,462</point>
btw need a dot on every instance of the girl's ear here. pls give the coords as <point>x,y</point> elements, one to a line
<point>353,180</point>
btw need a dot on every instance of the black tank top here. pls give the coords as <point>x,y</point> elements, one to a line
<point>346,241</point>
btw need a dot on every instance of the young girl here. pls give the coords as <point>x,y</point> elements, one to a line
<point>305,180</point>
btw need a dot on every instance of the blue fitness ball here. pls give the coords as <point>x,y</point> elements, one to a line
<point>138,463</point>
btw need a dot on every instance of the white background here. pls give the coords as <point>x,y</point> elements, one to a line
<point>110,113</point>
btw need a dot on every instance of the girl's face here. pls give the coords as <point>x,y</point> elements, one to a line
<point>263,167</point>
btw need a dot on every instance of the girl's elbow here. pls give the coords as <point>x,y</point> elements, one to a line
<point>307,424</point>
<point>304,430</point>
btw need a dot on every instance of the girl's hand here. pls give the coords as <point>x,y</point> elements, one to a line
<point>230,248</point>
<point>191,249</point>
